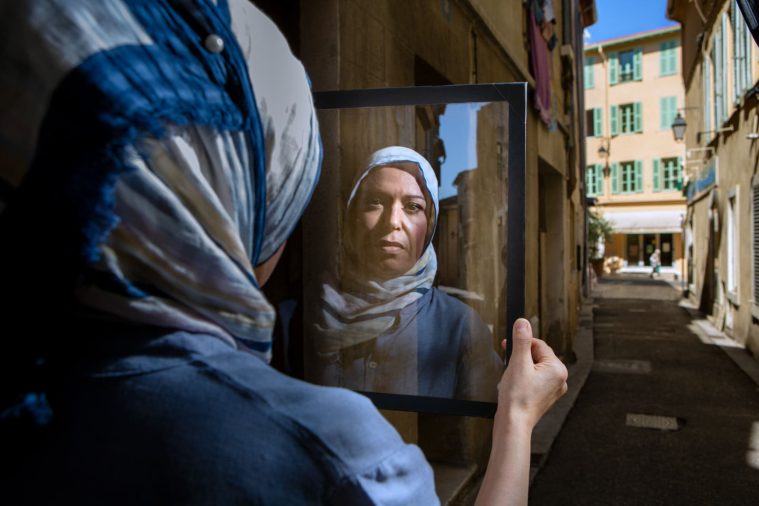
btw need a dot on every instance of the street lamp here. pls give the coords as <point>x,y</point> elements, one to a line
<point>604,150</point>
<point>678,127</point>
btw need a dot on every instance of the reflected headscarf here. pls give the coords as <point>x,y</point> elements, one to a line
<point>166,149</point>
<point>362,309</point>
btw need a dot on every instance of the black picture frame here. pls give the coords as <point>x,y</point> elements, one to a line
<point>515,95</point>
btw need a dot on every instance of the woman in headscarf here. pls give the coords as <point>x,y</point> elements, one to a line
<point>156,157</point>
<point>385,327</point>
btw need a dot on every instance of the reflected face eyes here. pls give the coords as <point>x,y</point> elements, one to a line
<point>391,222</point>
<point>411,206</point>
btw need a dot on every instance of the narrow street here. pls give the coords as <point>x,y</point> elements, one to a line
<point>665,416</point>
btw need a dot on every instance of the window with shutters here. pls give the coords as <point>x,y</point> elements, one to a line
<point>719,80</point>
<point>593,123</point>
<point>628,118</point>
<point>590,72</point>
<point>630,175</point>
<point>668,58</point>
<point>667,112</point>
<point>671,173</point>
<point>742,43</point>
<point>626,66</point>
<point>594,180</point>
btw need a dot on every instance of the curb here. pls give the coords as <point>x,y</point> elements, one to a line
<point>548,428</point>
<point>708,334</point>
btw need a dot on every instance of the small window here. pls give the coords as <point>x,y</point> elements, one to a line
<point>593,122</point>
<point>742,43</point>
<point>671,173</point>
<point>629,118</point>
<point>594,180</point>
<point>626,66</point>
<point>630,176</point>
<point>589,72</point>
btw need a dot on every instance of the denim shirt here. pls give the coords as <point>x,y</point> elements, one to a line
<point>440,347</point>
<point>177,418</point>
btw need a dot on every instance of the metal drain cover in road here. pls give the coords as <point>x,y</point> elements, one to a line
<point>624,366</point>
<point>652,422</point>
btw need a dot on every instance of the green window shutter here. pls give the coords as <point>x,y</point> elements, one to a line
<point>673,58</point>
<point>748,46</point>
<point>599,179</point>
<point>657,175</point>
<point>679,172</point>
<point>668,58</point>
<point>614,120</point>
<point>668,110</point>
<point>613,68</point>
<point>638,65</point>
<point>735,16</point>
<point>589,72</point>
<point>590,181</point>
<point>597,122</point>
<point>638,176</point>
<point>614,178</point>
<point>725,65</point>
<point>637,117</point>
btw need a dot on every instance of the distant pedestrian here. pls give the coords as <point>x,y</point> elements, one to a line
<point>655,260</point>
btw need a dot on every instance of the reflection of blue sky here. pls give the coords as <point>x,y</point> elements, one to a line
<point>458,129</point>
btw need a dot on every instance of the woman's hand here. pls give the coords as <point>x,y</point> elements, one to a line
<point>533,381</point>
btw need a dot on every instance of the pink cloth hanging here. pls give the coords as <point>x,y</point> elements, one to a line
<point>541,71</point>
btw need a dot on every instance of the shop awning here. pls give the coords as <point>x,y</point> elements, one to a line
<point>645,222</point>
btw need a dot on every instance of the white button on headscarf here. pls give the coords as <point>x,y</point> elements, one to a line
<point>214,43</point>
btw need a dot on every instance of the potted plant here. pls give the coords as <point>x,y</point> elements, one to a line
<point>599,233</point>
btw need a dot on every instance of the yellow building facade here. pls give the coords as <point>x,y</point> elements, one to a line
<point>633,91</point>
<point>720,70</point>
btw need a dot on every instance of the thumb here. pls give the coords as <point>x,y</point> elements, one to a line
<point>522,337</point>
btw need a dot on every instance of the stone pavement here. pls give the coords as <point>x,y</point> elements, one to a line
<point>661,411</point>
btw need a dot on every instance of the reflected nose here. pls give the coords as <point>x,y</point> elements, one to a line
<point>395,217</point>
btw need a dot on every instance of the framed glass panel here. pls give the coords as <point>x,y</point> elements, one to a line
<point>414,265</point>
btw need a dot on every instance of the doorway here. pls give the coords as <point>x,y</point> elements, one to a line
<point>633,249</point>
<point>649,245</point>
<point>666,245</point>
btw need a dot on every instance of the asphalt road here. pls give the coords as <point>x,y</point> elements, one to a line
<point>663,418</point>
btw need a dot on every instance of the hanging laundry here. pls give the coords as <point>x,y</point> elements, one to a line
<point>541,70</point>
<point>548,25</point>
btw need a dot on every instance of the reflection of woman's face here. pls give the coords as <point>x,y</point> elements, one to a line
<point>391,222</point>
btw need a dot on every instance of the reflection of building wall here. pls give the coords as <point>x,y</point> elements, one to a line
<point>482,196</point>
<point>721,75</point>
<point>448,242</point>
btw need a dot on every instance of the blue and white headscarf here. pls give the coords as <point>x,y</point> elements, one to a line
<point>165,148</point>
<point>361,309</point>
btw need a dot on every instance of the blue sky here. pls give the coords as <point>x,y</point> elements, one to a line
<point>625,17</point>
<point>458,129</point>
